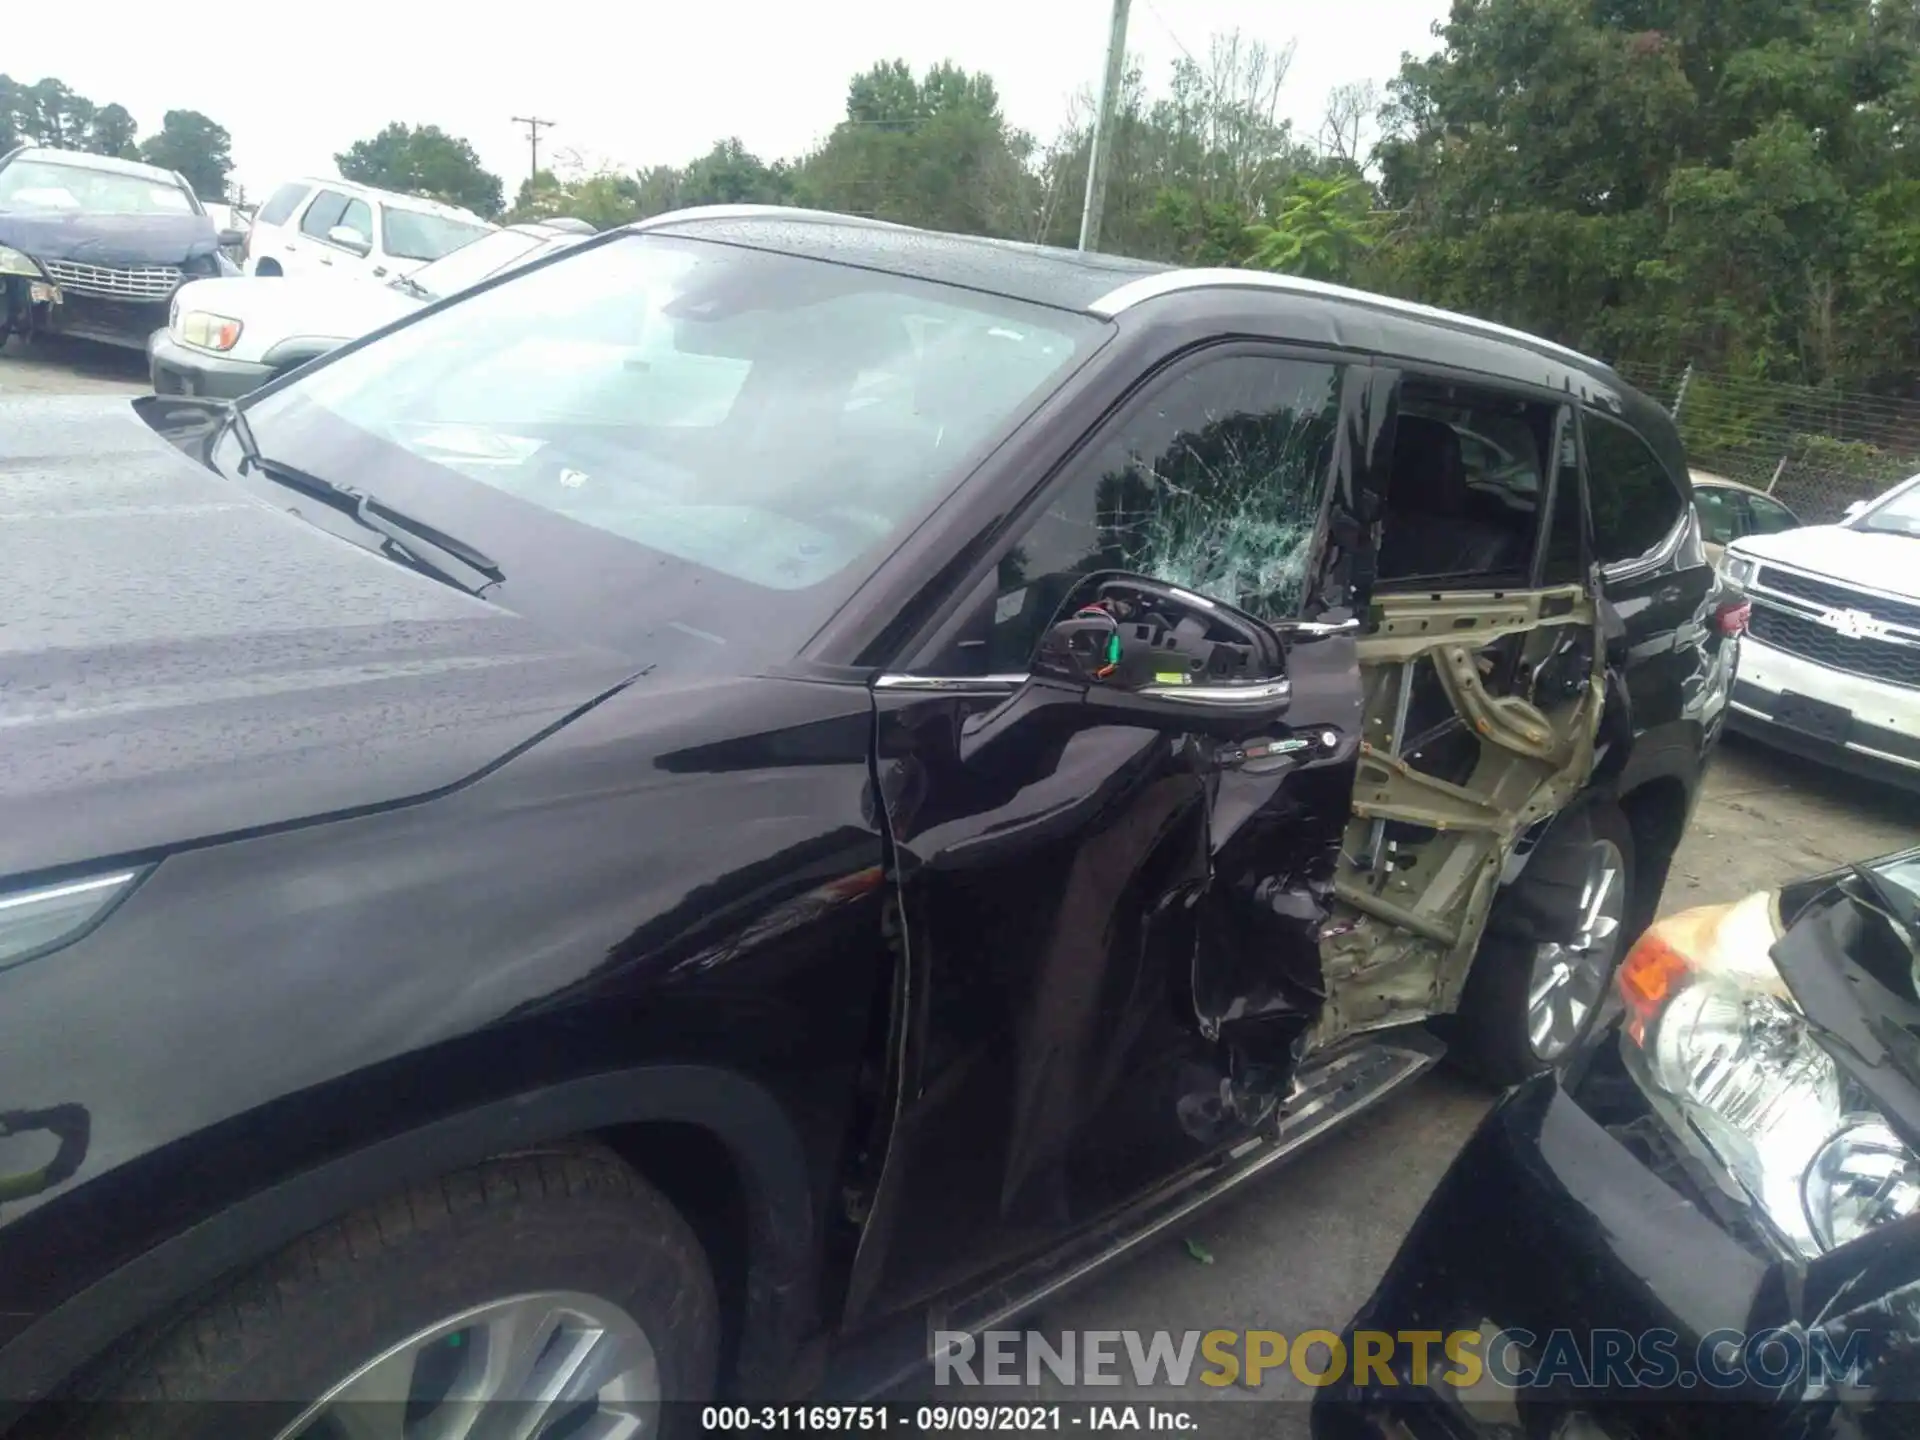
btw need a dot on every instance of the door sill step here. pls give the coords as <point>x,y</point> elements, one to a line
<point>1329,1092</point>
<point>1326,1094</point>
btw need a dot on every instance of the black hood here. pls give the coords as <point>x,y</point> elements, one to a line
<point>110,239</point>
<point>1850,967</point>
<point>180,660</point>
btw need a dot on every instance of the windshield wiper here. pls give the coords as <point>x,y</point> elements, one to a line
<point>413,538</point>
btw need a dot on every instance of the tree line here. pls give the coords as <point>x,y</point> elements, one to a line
<point>48,113</point>
<point>1733,183</point>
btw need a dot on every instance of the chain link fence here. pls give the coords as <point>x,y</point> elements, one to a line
<point>1815,450</point>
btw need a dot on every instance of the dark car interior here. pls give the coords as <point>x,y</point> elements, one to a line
<point>1447,515</point>
<point>1463,506</point>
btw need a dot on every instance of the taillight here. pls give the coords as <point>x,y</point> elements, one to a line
<point>1733,616</point>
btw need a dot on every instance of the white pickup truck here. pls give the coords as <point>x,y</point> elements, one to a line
<point>1830,664</point>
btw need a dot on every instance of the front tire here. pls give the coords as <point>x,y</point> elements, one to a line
<point>1550,950</point>
<point>560,1282</point>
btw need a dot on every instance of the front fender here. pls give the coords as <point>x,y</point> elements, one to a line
<point>741,1114</point>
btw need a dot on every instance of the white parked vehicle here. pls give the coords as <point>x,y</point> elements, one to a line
<point>226,337</point>
<point>335,227</point>
<point>1830,663</point>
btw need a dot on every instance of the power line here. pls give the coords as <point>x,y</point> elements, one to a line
<point>1173,35</point>
<point>534,126</point>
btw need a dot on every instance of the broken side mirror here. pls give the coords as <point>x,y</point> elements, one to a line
<point>1141,653</point>
<point>1139,637</point>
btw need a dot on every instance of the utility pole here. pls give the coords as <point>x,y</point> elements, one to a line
<point>1101,151</point>
<point>534,127</point>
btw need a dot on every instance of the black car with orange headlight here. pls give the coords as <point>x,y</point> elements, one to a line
<point>1712,1228</point>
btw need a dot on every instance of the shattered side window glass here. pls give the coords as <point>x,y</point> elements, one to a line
<point>1213,484</point>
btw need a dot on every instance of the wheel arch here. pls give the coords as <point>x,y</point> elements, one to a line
<point>1656,790</point>
<point>714,1115</point>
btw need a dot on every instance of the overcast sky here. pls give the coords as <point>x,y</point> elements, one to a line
<point>639,85</point>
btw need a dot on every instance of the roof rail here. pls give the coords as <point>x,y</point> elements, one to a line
<point>760,212</point>
<point>1172,282</point>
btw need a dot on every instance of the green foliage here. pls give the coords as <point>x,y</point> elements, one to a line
<point>48,113</point>
<point>423,160</point>
<point>603,199</point>
<point>1856,465</point>
<point>1321,231</point>
<point>193,145</point>
<point>932,150</point>
<point>1669,180</point>
<point>112,133</point>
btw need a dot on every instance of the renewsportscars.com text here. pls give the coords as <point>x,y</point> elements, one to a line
<point>1612,1360</point>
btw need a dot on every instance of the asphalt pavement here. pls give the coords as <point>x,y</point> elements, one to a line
<point>1301,1249</point>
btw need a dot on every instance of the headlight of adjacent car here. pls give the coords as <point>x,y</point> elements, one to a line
<point>204,329</point>
<point>1715,1039</point>
<point>13,262</point>
<point>1739,569</point>
<point>32,921</point>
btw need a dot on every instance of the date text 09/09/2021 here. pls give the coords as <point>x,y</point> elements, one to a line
<point>938,1419</point>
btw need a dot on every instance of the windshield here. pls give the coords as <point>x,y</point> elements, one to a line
<point>51,187</point>
<point>418,235</point>
<point>1898,514</point>
<point>656,432</point>
<point>474,261</point>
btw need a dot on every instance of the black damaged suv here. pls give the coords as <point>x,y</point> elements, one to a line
<point>644,830</point>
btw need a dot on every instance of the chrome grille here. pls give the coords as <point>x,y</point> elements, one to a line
<point>136,282</point>
<point>1831,596</point>
<point>1890,660</point>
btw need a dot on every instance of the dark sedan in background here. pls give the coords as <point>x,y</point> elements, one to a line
<point>1714,1230</point>
<point>94,247</point>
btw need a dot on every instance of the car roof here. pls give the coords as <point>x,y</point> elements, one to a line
<point>85,160</point>
<point>396,198</point>
<point>1099,284</point>
<point>1112,287</point>
<point>1039,274</point>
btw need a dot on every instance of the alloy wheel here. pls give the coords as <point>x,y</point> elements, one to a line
<point>556,1365</point>
<point>1568,979</point>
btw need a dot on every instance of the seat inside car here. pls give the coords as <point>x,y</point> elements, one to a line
<point>1432,527</point>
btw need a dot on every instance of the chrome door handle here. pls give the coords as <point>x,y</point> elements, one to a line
<point>1318,629</point>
